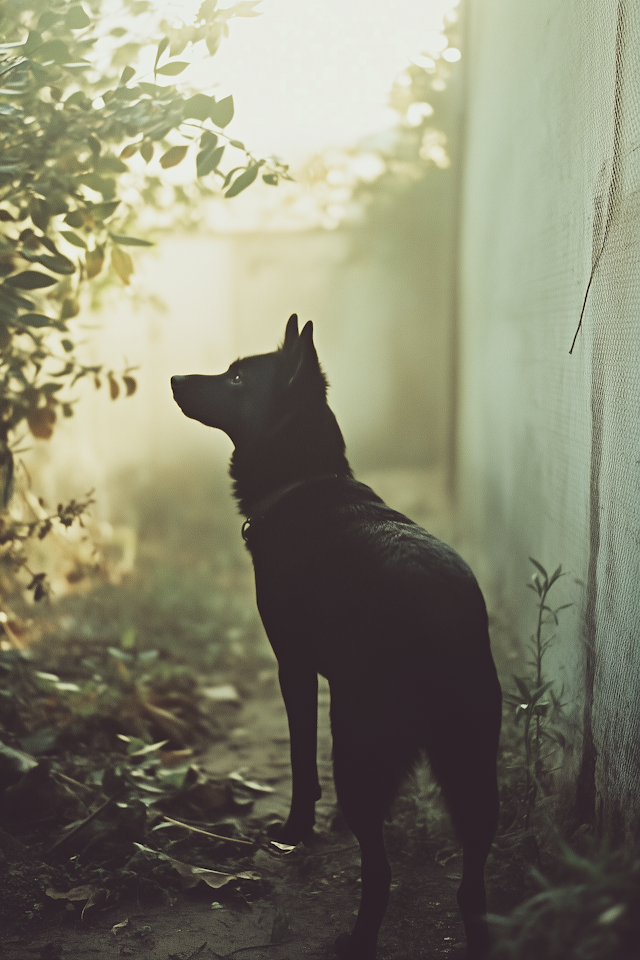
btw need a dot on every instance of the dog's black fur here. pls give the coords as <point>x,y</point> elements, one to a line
<point>391,616</point>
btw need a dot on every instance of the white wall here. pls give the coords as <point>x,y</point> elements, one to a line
<point>550,442</point>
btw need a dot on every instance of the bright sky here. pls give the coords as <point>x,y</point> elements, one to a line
<point>311,74</point>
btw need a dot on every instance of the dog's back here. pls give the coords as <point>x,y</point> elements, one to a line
<point>391,616</point>
<point>351,589</point>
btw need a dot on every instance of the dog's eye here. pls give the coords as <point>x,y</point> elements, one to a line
<point>236,378</point>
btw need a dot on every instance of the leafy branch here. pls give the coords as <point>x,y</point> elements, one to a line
<point>78,115</point>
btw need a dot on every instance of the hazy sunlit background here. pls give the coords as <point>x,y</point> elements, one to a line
<point>360,99</point>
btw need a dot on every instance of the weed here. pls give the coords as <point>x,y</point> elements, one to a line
<point>591,913</point>
<point>538,708</point>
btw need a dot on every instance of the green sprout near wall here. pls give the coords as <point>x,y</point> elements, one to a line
<point>537,707</point>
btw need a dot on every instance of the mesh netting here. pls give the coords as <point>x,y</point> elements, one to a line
<point>550,441</point>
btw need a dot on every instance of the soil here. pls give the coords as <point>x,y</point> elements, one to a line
<point>305,898</point>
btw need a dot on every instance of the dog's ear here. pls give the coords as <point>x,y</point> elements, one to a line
<point>307,346</point>
<point>291,333</point>
<point>304,370</point>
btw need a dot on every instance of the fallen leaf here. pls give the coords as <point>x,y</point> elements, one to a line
<point>191,875</point>
<point>87,891</point>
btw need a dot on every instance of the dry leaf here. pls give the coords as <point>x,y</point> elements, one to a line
<point>191,875</point>
<point>122,264</point>
<point>41,421</point>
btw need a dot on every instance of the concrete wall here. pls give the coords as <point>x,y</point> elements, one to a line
<point>549,443</point>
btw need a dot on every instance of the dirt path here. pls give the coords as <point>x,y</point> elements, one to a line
<point>305,898</point>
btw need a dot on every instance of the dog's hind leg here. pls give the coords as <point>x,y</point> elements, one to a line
<point>367,770</point>
<point>360,944</point>
<point>470,788</point>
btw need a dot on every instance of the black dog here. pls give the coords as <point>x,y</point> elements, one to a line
<point>392,617</point>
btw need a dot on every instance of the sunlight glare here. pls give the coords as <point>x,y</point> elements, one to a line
<point>306,76</point>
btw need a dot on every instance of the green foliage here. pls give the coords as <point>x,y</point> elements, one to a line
<point>74,110</point>
<point>538,709</point>
<point>592,913</point>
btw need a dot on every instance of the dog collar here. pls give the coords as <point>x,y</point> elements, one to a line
<point>263,506</point>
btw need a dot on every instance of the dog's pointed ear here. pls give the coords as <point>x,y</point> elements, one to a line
<point>291,333</point>
<point>307,346</point>
<point>305,373</point>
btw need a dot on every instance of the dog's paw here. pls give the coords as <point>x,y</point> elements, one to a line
<point>347,949</point>
<point>290,833</point>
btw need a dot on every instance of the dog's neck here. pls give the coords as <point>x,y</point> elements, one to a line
<point>304,450</point>
<point>263,506</point>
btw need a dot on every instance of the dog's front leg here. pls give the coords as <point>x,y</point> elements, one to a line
<point>299,686</point>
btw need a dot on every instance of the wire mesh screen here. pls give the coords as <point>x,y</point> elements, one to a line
<point>549,460</point>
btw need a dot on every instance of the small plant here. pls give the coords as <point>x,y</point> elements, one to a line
<point>591,912</point>
<point>536,704</point>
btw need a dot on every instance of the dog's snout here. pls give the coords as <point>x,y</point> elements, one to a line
<point>176,381</point>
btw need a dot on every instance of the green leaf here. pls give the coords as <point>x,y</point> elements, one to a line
<point>245,8</point>
<point>67,345</point>
<point>173,157</point>
<point>238,144</point>
<point>539,567</point>
<point>34,39</point>
<point>229,176</point>
<point>70,308</point>
<point>57,263</point>
<point>104,185</point>
<point>102,211</point>
<point>243,181</point>
<point>73,238</point>
<point>11,301</point>
<point>40,213</point>
<point>127,74</point>
<point>162,46</point>
<point>77,19</point>
<point>78,99</point>
<point>125,241</point>
<point>207,9</point>
<point>222,112</point>
<point>272,180</point>
<point>208,140</point>
<point>53,51</point>
<point>173,68</point>
<point>555,576</point>
<point>36,320</point>
<point>126,658</point>
<point>107,163</point>
<point>146,151</point>
<point>198,107</point>
<point>523,687</point>
<point>75,219</point>
<point>208,160</point>
<point>537,694</point>
<point>48,18</point>
<point>31,280</point>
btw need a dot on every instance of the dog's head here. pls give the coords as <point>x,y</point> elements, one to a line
<point>257,394</point>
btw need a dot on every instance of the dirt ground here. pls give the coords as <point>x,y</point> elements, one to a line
<point>305,898</point>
